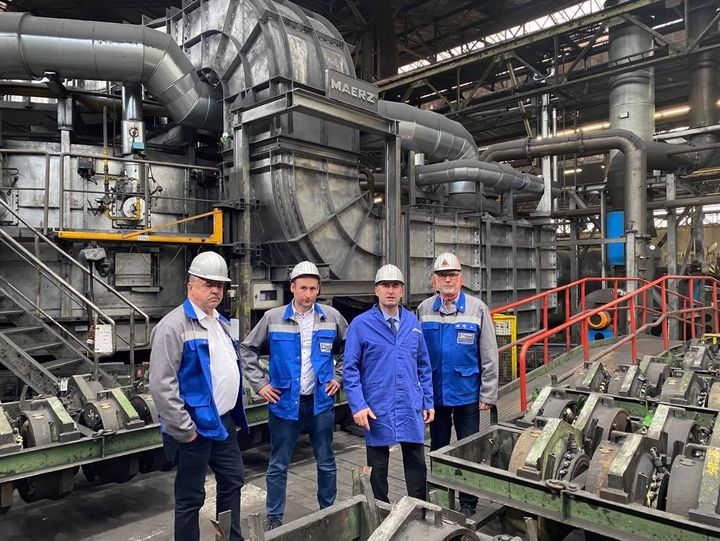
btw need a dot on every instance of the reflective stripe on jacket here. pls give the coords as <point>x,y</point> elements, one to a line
<point>463,350</point>
<point>278,330</point>
<point>180,380</point>
<point>390,374</point>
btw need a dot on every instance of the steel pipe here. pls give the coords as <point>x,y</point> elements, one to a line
<point>435,135</point>
<point>635,152</point>
<point>652,205</point>
<point>703,76</point>
<point>32,46</point>
<point>499,176</point>
<point>432,134</point>
<point>631,145</point>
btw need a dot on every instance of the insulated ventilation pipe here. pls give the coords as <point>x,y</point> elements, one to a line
<point>632,108</point>
<point>500,177</point>
<point>454,153</point>
<point>704,85</point>
<point>630,144</point>
<point>32,46</point>
<point>635,154</point>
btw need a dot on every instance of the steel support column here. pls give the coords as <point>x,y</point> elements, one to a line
<point>393,233</point>
<point>574,262</point>
<point>545,205</point>
<point>65,125</point>
<point>241,227</point>
<point>407,217</point>
<point>603,232</point>
<point>672,254</point>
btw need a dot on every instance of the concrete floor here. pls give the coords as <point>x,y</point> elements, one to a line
<point>142,509</point>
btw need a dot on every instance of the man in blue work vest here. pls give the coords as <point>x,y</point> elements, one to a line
<point>387,381</point>
<point>460,336</point>
<point>301,383</point>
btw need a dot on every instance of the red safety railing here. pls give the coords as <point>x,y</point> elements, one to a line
<point>641,316</point>
<point>575,291</point>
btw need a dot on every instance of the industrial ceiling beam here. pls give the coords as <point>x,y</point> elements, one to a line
<point>603,73</point>
<point>609,16</point>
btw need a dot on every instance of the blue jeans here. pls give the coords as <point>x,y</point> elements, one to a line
<point>466,419</point>
<point>192,460</point>
<point>283,437</point>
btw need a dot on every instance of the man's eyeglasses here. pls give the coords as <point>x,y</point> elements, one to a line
<point>451,275</point>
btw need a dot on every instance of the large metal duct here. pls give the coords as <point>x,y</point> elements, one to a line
<point>440,139</point>
<point>498,176</point>
<point>631,100</point>
<point>32,46</point>
<point>631,145</point>
<point>578,143</point>
<point>662,156</point>
<point>434,135</point>
<point>303,169</point>
<point>704,86</point>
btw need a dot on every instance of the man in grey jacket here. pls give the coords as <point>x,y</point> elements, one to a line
<point>300,385</point>
<point>195,382</point>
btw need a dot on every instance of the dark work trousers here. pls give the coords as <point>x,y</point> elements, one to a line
<point>378,458</point>
<point>284,434</point>
<point>192,460</point>
<point>466,419</point>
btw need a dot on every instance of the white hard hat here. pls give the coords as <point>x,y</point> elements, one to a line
<point>389,273</point>
<point>447,262</point>
<point>209,265</point>
<point>304,268</point>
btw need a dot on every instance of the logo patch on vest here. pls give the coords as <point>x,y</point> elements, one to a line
<point>325,347</point>
<point>467,338</point>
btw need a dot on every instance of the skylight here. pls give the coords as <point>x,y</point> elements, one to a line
<point>541,23</point>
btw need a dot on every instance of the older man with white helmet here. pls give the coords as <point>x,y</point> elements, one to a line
<point>461,340</point>
<point>301,383</point>
<point>388,384</point>
<point>195,383</point>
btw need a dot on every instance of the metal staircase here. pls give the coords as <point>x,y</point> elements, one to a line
<point>34,346</point>
<point>34,351</point>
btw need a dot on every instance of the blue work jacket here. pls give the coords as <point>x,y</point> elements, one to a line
<point>180,346</point>
<point>463,350</point>
<point>390,374</point>
<point>280,331</point>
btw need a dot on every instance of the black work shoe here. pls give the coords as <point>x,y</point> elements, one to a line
<point>467,510</point>
<point>273,522</point>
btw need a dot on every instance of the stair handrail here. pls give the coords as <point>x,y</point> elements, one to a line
<point>84,270</point>
<point>567,290</point>
<point>583,317</point>
<point>31,259</point>
<point>559,289</point>
<point>5,282</point>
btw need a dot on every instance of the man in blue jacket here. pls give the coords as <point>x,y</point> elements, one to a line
<point>388,384</point>
<point>300,385</point>
<point>460,336</point>
<point>195,383</point>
